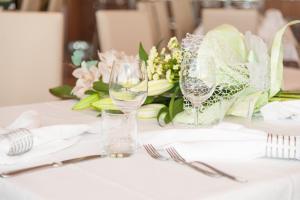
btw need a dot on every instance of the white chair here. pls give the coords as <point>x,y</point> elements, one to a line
<point>31,56</point>
<point>244,20</point>
<point>124,30</point>
<point>184,20</point>
<point>160,22</point>
<point>31,5</point>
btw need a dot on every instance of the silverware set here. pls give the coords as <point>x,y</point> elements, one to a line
<point>208,170</point>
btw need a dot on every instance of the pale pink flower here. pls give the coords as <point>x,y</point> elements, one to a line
<point>110,58</point>
<point>86,76</point>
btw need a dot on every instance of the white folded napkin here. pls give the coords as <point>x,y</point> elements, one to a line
<point>225,142</point>
<point>46,140</point>
<point>288,110</point>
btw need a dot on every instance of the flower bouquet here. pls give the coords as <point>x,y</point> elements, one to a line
<point>248,76</point>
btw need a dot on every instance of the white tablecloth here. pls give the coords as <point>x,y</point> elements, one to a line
<point>140,177</point>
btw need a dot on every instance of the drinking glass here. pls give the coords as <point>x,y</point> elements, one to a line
<point>128,85</point>
<point>197,81</point>
<point>120,133</point>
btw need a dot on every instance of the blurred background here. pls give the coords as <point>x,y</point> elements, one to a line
<point>38,37</point>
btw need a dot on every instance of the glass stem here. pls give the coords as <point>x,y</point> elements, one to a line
<point>196,115</point>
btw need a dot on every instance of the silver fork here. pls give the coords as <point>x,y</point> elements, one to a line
<point>176,156</point>
<point>156,155</point>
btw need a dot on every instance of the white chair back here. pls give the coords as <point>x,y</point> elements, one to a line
<point>124,30</point>
<point>184,20</point>
<point>160,22</point>
<point>244,20</point>
<point>31,56</point>
<point>31,5</point>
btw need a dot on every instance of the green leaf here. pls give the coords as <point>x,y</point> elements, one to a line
<point>163,117</point>
<point>86,102</point>
<point>100,86</point>
<point>64,92</point>
<point>286,96</point>
<point>149,100</point>
<point>77,57</point>
<point>178,107</point>
<point>90,92</point>
<point>171,105</point>
<point>142,53</point>
<point>169,113</point>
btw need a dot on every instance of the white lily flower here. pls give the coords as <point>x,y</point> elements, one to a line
<point>86,77</point>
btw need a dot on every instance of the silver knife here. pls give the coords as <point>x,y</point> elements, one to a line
<point>49,165</point>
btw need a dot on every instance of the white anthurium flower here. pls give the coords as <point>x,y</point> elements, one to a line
<point>259,60</point>
<point>85,79</point>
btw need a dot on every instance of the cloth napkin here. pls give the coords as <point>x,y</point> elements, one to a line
<point>225,142</point>
<point>288,110</point>
<point>47,140</point>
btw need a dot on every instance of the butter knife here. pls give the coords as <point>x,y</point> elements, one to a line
<point>49,165</point>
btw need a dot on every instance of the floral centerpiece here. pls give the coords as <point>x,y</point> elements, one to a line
<point>248,76</point>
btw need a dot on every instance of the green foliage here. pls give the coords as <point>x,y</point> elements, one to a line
<point>63,92</point>
<point>142,53</point>
<point>286,96</point>
<point>86,102</point>
<point>167,114</point>
<point>100,86</point>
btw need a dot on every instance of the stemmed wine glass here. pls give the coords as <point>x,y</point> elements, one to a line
<point>128,86</point>
<point>197,76</point>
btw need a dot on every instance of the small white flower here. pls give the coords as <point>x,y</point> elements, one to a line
<point>163,51</point>
<point>176,67</point>
<point>153,54</point>
<point>168,58</point>
<point>155,77</point>
<point>149,74</point>
<point>173,43</point>
<point>159,69</point>
<point>177,55</point>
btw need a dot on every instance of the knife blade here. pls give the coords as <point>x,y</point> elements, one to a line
<point>49,165</point>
